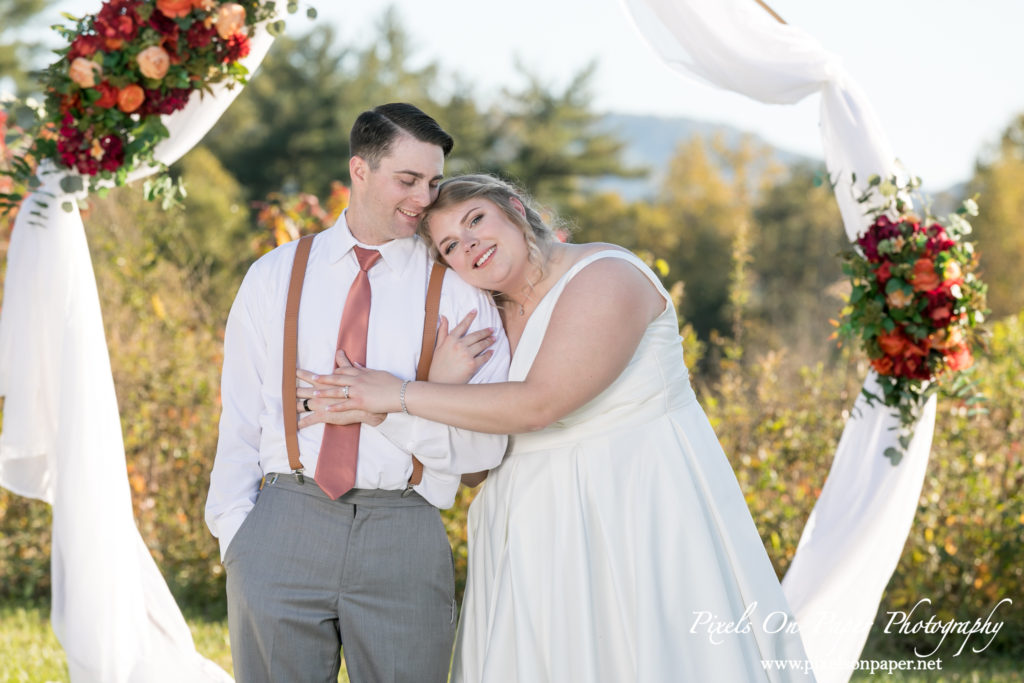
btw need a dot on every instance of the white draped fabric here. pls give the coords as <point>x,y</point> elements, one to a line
<point>856,532</point>
<point>61,440</point>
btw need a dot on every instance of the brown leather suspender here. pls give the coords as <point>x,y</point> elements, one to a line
<point>290,361</point>
<point>433,307</point>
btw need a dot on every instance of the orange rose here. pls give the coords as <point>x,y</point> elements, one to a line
<point>84,72</point>
<point>154,62</point>
<point>130,98</point>
<point>959,358</point>
<point>174,8</point>
<point>952,271</point>
<point>892,343</point>
<point>925,278</point>
<point>230,19</point>
<point>883,365</point>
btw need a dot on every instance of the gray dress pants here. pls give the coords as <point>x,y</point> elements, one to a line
<point>371,571</point>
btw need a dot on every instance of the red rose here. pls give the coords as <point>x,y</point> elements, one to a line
<point>113,156</point>
<point>163,25</point>
<point>938,240</point>
<point>925,279</point>
<point>160,103</point>
<point>108,95</point>
<point>234,48</point>
<point>883,273</point>
<point>883,365</point>
<point>882,229</point>
<point>84,46</point>
<point>893,343</point>
<point>914,363</point>
<point>199,36</point>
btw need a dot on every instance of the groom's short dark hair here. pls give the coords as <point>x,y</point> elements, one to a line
<point>374,131</point>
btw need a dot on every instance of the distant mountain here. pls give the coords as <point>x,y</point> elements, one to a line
<point>651,142</point>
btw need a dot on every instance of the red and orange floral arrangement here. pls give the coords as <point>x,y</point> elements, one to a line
<point>123,68</point>
<point>915,302</point>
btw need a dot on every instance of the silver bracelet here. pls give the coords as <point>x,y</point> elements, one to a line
<point>401,396</point>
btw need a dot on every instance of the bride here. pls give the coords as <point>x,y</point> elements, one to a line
<point>613,543</point>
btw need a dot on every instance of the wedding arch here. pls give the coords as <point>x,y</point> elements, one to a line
<point>61,440</point>
<point>854,537</point>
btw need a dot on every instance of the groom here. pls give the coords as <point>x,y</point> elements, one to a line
<point>367,567</point>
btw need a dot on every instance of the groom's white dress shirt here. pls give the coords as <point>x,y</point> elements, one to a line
<point>252,441</point>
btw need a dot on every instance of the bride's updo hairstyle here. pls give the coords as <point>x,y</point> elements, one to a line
<point>538,234</point>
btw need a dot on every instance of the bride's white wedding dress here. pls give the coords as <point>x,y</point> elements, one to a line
<point>615,545</point>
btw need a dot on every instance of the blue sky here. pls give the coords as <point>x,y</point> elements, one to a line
<point>940,73</point>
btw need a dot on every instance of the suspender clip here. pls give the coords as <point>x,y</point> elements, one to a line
<point>299,475</point>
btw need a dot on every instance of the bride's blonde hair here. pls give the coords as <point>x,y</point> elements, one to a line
<point>538,234</point>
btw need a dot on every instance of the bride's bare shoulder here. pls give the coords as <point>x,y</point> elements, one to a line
<point>610,280</point>
<point>586,249</point>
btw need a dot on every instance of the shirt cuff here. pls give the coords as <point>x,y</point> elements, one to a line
<point>227,528</point>
<point>400,429</point>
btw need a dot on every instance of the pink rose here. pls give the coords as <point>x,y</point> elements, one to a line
<point>230,19</point>
<point>84,72</point>
<point>154,62</point>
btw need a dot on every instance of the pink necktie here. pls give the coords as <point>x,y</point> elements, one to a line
<point>339,450</point>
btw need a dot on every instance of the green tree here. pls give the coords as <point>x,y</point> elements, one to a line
<point>797,236</point>
<point>549,141</point>
<point>210,239</point>
<point>708,195</point>
<point>288,131</point>
<point>999,228</point>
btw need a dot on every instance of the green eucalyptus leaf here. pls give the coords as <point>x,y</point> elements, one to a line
<point>72,184</point>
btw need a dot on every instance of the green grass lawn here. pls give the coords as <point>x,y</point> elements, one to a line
<point>30,653</point>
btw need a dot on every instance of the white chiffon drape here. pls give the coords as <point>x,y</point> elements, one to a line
<point>856,532</point>
<point>61,440</point>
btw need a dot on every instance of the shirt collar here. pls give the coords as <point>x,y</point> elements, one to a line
<point>395,254</point>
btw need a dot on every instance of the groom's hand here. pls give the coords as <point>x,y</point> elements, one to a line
<point>329,411</point>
